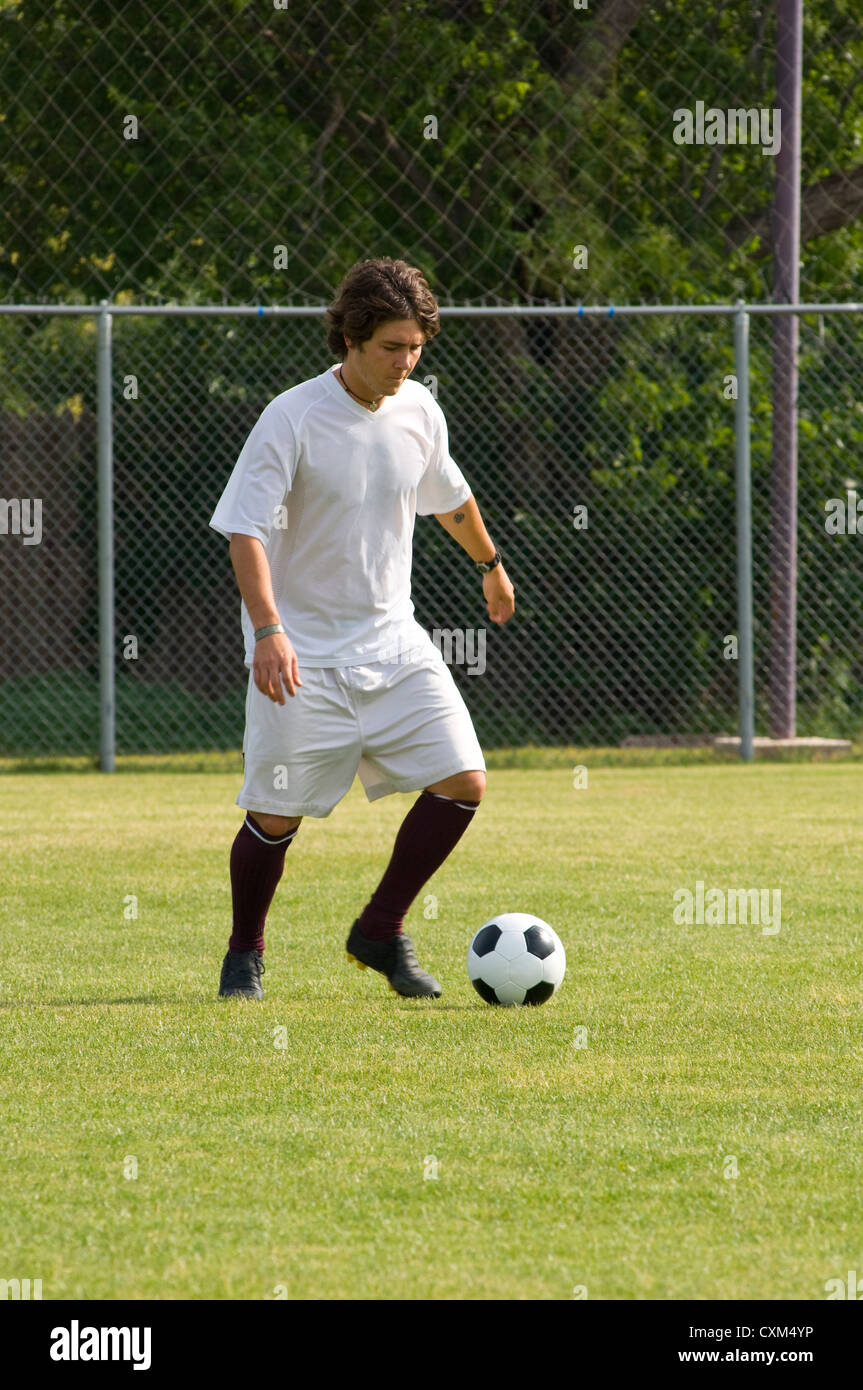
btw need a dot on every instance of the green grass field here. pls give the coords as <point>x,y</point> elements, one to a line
<point>286,1148</point>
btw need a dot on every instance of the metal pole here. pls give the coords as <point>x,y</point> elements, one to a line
<point>453,310</point>
<point>743,491</point>
<point>786,287</point>
<point>107,704</point>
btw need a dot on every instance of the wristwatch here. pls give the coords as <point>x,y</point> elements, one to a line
<point>485,565</point>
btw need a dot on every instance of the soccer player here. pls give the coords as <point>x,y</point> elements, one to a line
<point>319,512</point>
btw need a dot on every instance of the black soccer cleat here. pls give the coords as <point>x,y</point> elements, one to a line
<point>396,959</point>
<point>241,975</point>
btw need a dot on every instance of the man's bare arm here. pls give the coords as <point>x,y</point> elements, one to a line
<point>275,659</point>
<point>254,579</point>
<point>466,526</point>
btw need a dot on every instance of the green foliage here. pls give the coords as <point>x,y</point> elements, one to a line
<point>260,128</point>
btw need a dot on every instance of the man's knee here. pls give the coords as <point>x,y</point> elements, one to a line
<point>274,825</point>
<point>464,786</point>
<point>474,786</point>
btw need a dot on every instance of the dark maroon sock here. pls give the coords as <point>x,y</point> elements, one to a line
<point>257,862</point>
<point>429,832</point>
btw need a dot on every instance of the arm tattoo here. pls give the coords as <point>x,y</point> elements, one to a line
<point>459,516</point>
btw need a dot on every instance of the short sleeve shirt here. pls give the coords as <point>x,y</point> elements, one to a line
<point>332,489</point>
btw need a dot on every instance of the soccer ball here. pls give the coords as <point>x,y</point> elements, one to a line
<point>516,959</point>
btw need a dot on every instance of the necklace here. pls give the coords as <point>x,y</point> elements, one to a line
<point>372,405</point>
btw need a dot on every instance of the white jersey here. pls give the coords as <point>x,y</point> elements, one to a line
<point>332,490</point>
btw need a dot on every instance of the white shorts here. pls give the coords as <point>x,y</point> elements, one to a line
<point>401,725</point>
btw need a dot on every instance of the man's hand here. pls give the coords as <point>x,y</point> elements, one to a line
<point>499,595</point>
<point>276,662</point>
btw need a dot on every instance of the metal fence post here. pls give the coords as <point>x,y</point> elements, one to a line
<point>107,697</point>
<point>785,223</point>
<point>744,533</point>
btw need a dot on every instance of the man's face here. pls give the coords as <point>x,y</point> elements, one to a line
<point>388,357</point>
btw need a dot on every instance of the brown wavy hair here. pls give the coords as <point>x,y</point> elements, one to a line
<point>374,292</point>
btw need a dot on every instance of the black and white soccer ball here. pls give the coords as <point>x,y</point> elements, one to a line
<point>516,959</point>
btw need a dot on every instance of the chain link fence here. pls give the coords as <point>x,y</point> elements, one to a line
<point>600,449</point>
<point>247,152</point>
<point>165,150</point>
<point>829,667</point>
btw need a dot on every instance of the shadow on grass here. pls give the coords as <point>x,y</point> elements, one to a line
<point>413,1006</point>
<point>67,1003</point>
<point>420,1006</point>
